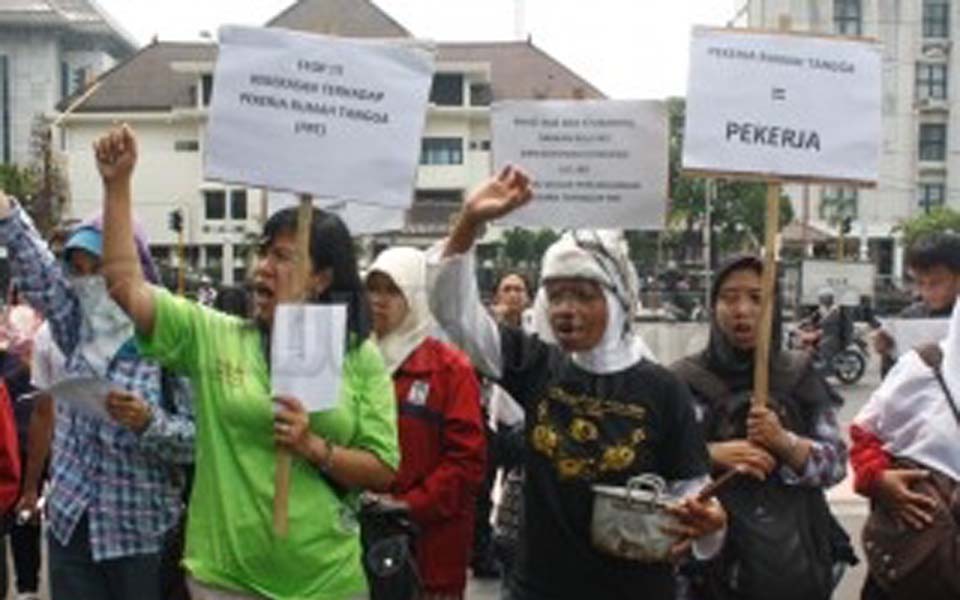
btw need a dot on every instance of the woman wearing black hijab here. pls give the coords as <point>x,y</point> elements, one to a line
<point>779,543</point>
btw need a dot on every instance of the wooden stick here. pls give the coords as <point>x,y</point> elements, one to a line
<point>281,482</point>
<point>761,363</point>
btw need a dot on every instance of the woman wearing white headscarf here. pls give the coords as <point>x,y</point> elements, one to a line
<point>597,412</point>
<point>442,442</point>
<point>906,457</point>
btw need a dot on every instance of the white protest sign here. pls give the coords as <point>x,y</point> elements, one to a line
<point>318,115</point>
<point>306,353</point>
<point>594,163</point>
<point>360,219</point>
<point>783,106</point>
<point>847,280</point>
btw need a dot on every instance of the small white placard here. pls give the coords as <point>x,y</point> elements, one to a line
<point>318,115</point>
<point>783,105</point>
<point>594,163</point>
<point>307,352</point>
<point>85,394</point>
<point>908,334</point>
<point>847,280</point>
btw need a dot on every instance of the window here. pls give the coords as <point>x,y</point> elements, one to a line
<point>81,77</point>
<point>931,80</point>
<point>238,205</point>
<point>936,18</point>
<point>931,195</point>
<point>73,79</point>
<point>186,146</point>
<point>481,94</point>
<point>441,151</point>
<point>64,80</point>
<point>838,203</point>
<point>206,89</point>
<point>454,197</point>
<point>847,17</point>
<point>447,89</point>
<point>215,205</point>
<point>4,109</point>
<point>215,262</point>
<point>933,141</point>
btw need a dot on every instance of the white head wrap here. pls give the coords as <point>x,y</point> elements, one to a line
<point>407,267</point>
<point>601,256</point>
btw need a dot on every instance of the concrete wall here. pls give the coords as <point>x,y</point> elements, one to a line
<point>34,79</point>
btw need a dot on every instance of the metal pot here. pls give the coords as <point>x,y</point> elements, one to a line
<point>628,521</point>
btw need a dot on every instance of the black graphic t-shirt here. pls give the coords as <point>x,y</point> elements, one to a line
<point>585,429</point>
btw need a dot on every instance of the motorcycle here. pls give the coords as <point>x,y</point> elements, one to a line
<point>848,364</point>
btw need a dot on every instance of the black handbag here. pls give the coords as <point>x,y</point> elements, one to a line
<point>388,535</point>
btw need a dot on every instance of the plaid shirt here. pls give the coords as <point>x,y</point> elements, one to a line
<point>129,485</point>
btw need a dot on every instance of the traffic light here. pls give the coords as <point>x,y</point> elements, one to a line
<point>847,225</point>
<point>175,220</point>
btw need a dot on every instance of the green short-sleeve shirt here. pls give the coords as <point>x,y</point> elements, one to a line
<point>230,540</point>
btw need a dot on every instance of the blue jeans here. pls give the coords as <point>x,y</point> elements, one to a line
<point>74,574</point>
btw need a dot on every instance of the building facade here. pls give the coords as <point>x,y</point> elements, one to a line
<point>49,50</point>
<point>920,161</point>
<point>163,92</point>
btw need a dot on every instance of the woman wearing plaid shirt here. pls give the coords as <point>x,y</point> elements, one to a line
<point>116,483</point>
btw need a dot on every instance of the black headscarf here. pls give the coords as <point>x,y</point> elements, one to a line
<point>733,365</point>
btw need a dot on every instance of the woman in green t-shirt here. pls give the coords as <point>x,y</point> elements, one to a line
<point>231,550</point>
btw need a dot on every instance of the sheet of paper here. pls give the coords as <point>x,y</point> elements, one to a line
<point>86,394</point>
<point>307,353</point>
<point>910,333</point>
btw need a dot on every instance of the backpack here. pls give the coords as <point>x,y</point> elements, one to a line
<point>778,536</point>
<point>9,453</point>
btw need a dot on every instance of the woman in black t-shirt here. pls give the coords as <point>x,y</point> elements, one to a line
<point>597,411</point>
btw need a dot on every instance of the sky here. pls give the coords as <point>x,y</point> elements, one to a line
<point>629,49</point>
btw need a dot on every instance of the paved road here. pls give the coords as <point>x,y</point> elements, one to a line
<point>851,509</point>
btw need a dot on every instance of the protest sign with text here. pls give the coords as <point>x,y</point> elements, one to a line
<point>596,163</point>
<point>318,115</point>
<point>783,106</point>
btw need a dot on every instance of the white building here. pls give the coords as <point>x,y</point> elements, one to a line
<point>163,91</point>
<point>920,164</point>
<point>49,49</point>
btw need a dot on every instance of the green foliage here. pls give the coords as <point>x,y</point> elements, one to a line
<point>526,247</point>
<point>938,220</point>
<point>18,182</point>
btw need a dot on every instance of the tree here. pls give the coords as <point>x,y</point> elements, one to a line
<point>52,189</point>
<point>525,247</point>
<point>17,182</point>
<point>938,220</point>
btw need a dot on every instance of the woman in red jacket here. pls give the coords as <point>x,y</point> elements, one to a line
<point>442,442</point>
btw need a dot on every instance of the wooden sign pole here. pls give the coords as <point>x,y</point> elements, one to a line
<point>761,356</point>
<point>281,483</point>
<point>761,363</point>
